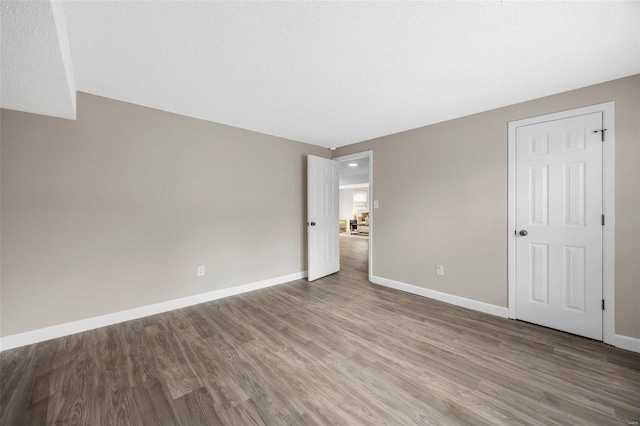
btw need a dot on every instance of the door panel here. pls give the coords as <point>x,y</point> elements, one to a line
<point>573,196</point>
<point>539,178</point>
<point>323,180</point>
<point>559,204</point>
<point>575,279</point>
<point>539,279</point>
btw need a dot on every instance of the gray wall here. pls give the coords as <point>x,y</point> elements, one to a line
<point>117,209</point>
<point>449,182</point>
<point>346,202</point>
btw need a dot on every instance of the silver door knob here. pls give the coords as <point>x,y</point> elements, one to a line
<point>523,233</point>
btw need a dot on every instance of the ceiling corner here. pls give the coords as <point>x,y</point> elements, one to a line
<point>65,51</point>
<point>36,67</point>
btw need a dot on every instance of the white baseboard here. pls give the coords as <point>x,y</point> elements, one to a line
<point>61,330</point>
<point>53,332</point>
<point>620,341</point>
<point>487,308</point>
<point>626,342</point>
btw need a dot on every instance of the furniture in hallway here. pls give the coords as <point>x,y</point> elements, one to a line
<point>363,223</point>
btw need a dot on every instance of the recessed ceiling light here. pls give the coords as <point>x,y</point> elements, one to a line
<point>353,164</point>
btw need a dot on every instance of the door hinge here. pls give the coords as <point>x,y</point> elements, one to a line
<point>603,304</point>
<point>601,133</point>
<point>602,220</point>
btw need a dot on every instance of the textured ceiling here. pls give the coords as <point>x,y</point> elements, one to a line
<point>331,73</point>
<point>36,68</point>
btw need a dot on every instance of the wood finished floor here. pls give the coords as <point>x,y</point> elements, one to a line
<point>336,351</point>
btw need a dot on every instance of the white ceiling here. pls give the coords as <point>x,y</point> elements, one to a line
<point>327,73</point>
<point>353,175</point>
<point>36,69</point>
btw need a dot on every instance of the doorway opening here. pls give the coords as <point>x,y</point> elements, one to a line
<point>355,206</point>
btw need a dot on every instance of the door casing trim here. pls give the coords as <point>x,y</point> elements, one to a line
<point>608,188</point>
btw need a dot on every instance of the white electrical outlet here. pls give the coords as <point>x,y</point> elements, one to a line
<point>440,269</point>
<point>201,270</point>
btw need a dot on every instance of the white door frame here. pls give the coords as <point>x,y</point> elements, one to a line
<point>355,156</point>
<point>608,188</point>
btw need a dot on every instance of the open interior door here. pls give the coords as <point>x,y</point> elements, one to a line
<point>323,180</point>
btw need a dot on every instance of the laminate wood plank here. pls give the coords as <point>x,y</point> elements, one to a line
<point>289,371</point>
<point>496,397</point>
<point>237,333</point>
<point>12,413</point>
<point>249,415</point>
<point>196,408</point>
<point>366,393</point>
<point>40,390</point>
<point>28,376</point>
<point>142,367</point>
<point>210,365</point>
<point>300,376</point>
<point>112,371</point>
<point>71,389</point>
<point>36,413</point>
<point>13,368</point>
<point>339,350</point>
<point>266,326</point>
<point>15,372</point>
<point>198,319</point>
<point>175,374</point>
<point>177,320</point>
<point>151,404</point>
